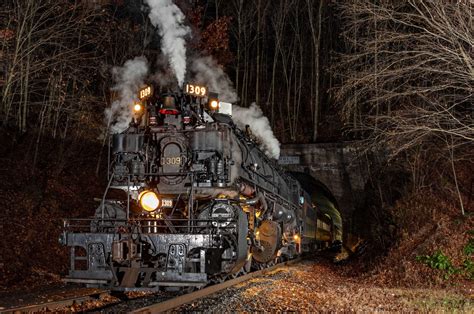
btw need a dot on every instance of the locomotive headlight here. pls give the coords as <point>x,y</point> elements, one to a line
<point>149,201</point>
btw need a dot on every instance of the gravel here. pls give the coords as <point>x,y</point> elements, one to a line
<point>309,286</point>
<point>318,287</point>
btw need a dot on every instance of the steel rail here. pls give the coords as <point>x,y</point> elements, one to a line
<point>155,308</point>
<point>55,305</point>
<point>208,291</point>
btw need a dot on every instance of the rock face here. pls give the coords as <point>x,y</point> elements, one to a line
<point>336,165</point>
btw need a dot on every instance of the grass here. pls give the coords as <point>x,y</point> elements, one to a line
<point>451,303</point>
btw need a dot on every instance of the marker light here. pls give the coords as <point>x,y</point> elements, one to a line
<point>149,200</point>
<point>296,237</point>
<point>214,104</point>
<point>213,101</point>
<point>137,108</point>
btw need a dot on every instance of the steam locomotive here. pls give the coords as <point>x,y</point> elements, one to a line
<point>199,201</point>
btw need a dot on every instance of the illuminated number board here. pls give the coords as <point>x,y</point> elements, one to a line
<point>175,161</point>
<point>145,92</point>
<point>196,90</point>
<point>167,203</point>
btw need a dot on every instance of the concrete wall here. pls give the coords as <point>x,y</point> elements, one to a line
<point>336,165</point>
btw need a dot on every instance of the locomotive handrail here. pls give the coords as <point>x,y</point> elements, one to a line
<point>274,196</point>
<point>84,224</point>
<point>149,219</point>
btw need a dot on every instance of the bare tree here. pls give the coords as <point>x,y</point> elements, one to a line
<point>44,59</point>
<point>409,76</point>
<point>277,62</point>
<point>55,61</point>
<point>314,18</point>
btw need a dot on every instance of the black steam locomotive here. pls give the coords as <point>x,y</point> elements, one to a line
<point>198,202</point>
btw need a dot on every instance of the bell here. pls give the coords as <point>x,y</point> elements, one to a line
<point>168,105</point>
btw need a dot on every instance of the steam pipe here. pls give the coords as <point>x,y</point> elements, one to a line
<point>259,198</point>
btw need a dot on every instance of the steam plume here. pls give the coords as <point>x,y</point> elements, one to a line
<point>163,76</point>
<point>206,71</point>
<point>169,19</point>
<point>129,79</point>
<point>260,126</point>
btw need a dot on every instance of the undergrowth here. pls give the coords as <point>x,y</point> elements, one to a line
<point>439,260</point>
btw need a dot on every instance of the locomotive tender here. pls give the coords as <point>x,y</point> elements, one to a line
<point>202,202</point>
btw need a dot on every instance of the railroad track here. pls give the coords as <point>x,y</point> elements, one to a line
<point>56,305</point>
<point>208,291</point>
<point>165,305</point>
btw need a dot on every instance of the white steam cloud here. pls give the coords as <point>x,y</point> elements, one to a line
<point>169,19</point>
<point>163,75</point>
<point>129,79</point>
<point>260,126</point>
<point>206,71</point>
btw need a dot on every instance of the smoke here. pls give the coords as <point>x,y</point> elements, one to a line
<point>129,79</point>
<point>206,71</point>
<point>169,19</point>
<point>163,76</point>
<point>260,126</point>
